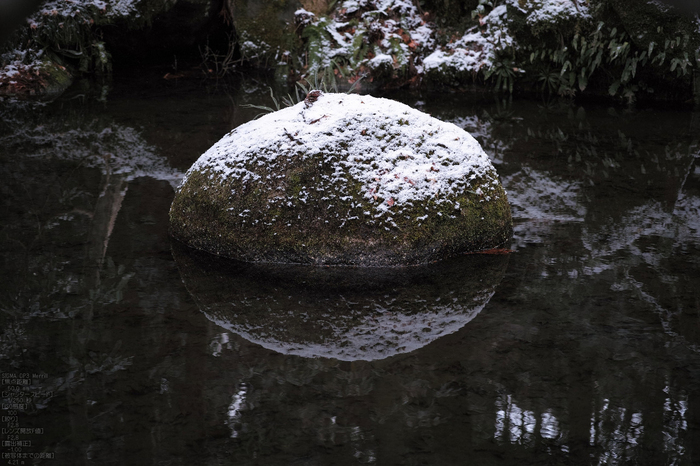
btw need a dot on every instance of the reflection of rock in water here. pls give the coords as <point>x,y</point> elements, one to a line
<point>343,313</point>
<point>538,199</point>
<point>95,142</point>
<point>538,195</point>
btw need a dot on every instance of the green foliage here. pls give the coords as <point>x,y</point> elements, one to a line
<point>505,73</point>
<point>317,38</point>
<point>504,68</point>
<point>551,81</point>
<point>567,54</point>
<point>605,54</point>
<point>398,51</point>
<point>360,48</point>
<point>324,79</point>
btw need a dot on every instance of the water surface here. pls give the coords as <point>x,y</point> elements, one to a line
<point>580,347</point>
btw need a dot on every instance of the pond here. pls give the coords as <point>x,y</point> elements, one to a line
<point>119,346</point>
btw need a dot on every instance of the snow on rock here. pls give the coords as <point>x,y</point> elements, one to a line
<point>357,164</point>
<point>389,165</point>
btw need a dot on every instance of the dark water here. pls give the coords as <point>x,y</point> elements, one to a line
<point>119,347</point>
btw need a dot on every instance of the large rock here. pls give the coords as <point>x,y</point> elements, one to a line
<point>343,180</point>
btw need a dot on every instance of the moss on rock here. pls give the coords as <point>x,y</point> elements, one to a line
<point>345,180</point>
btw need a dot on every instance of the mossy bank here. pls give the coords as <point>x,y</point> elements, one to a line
<point>343,180</point>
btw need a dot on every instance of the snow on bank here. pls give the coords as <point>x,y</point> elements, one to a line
<point>481,46</point>
<point>70,16</point>
<point>542,12</point>
<point>477,48</point>
<point>375,33</point>
<point>84,9</point>
<point>379,35</point>
<point>393,29</point>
